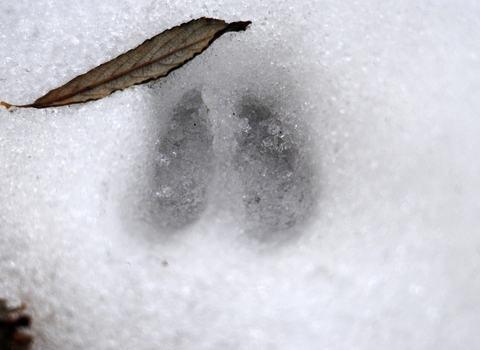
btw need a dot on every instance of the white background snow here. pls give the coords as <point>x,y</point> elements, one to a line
<point>386,99</point>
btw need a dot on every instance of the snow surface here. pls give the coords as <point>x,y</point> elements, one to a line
<point>357,227</point>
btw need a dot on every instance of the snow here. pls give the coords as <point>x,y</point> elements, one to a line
<point>122,227</point>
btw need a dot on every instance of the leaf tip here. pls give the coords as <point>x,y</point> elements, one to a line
<point>8,105</point>
<point>237,26</point>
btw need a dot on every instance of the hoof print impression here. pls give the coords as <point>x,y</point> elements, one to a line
<point>184,163</point>
<point>277,188</point>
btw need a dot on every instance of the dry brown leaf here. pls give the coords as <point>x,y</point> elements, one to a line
<point>10,322</point>
<point>153,59</point>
